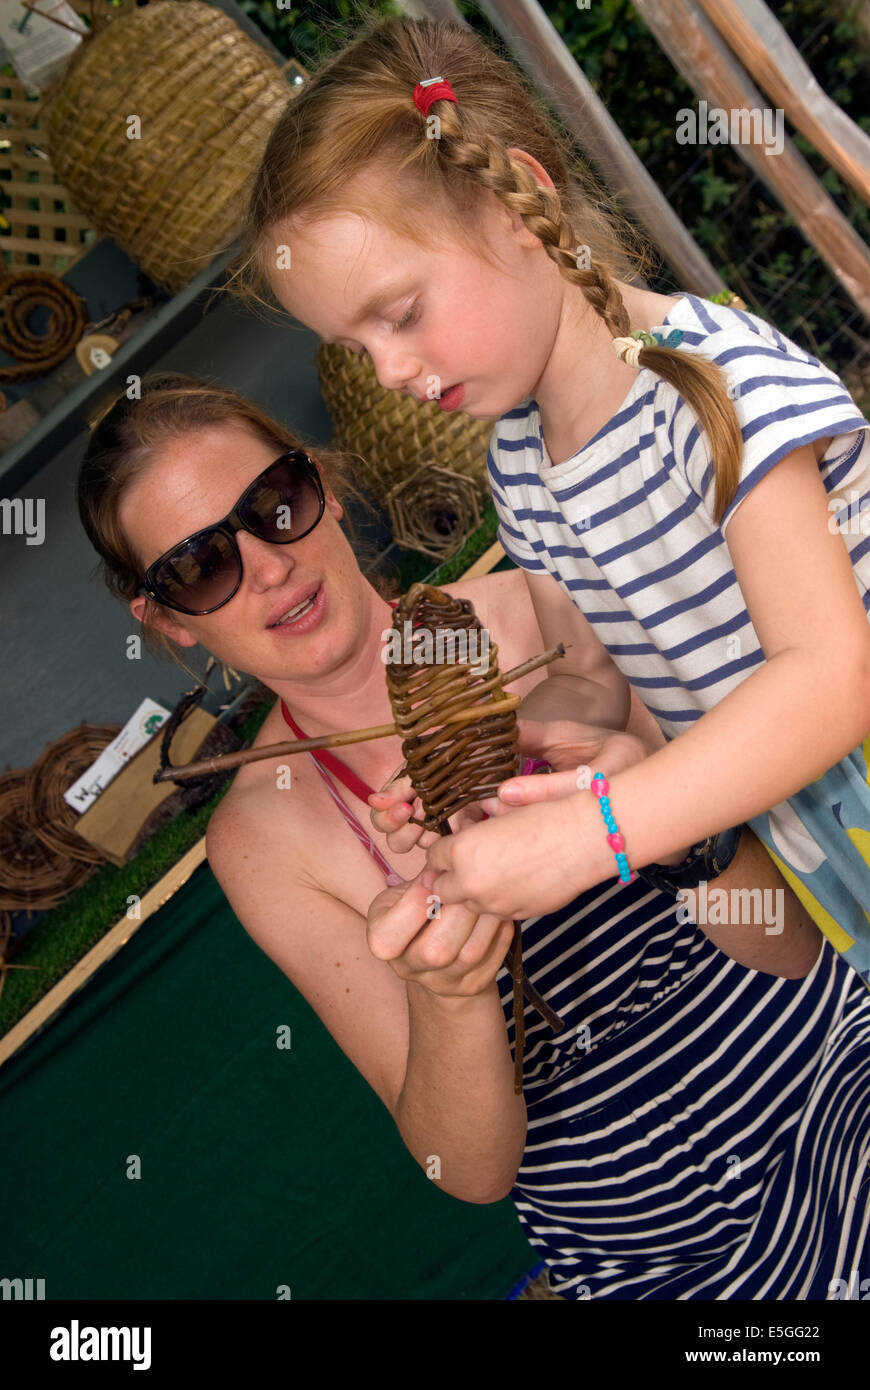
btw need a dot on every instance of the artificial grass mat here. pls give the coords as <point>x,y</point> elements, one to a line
<point>62,936</point>
<point>262,1167</point>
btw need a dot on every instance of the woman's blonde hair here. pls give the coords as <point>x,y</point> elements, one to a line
<point>131,434</point>
<point>356,114</point>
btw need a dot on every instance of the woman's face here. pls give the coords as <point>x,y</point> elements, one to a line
<point>195,482</point>
<point>444,316</point>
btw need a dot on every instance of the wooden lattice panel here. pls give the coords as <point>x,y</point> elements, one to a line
<point>45,231</point>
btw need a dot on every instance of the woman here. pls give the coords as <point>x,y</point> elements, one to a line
<point>666,1144</point>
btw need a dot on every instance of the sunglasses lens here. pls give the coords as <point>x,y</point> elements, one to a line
<point>286,503</point>
<point>283,504</point>
<point>201,574</point>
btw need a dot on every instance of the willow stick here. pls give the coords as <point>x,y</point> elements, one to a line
<point>536,1000</point>
<point>62,22</point>
<point>225,762</point>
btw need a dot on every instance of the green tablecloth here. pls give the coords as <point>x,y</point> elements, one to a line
<point>260,1167</point>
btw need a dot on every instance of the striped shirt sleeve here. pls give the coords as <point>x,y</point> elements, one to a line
<point>510,534</point>
<point>784,398</point>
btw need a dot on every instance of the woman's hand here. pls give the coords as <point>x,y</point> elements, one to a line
<point>395,804</point>
<point>449,950</point>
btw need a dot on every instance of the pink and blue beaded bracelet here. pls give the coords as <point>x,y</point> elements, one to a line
<point>601,786</point>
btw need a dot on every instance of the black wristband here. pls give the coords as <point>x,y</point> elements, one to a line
<point>704,861</point>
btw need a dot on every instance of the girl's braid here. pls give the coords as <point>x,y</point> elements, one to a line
<point>514,184</point>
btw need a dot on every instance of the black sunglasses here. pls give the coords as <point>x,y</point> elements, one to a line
<point>202,573</point>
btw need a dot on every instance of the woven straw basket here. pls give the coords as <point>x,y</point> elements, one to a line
<point>32,873</point>
<point>42,859</point>
<point>392,433</point>
<point>60,764</point>
<point>207,97</point>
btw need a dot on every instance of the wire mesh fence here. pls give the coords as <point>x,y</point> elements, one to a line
<point>779,271</point>
<point>752,240</point>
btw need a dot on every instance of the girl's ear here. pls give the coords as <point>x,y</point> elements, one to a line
<point>159,618</point>
<point>537,169</point>
<point>333,503</point>
<point>519,227</point>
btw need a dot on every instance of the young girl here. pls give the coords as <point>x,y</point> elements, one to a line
<point>683,485</point>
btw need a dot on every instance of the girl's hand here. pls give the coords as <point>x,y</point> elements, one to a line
<point>527,863</point>
<point>562,743</point>
<point>451,950</point>
<point>552,846</point>
<point>579,749</point>
<point>569,748</point>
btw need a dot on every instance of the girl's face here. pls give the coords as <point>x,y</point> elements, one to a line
<point>195,482</point>
<point>431,318</point>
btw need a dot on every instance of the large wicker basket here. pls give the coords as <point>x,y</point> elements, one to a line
<point>206,96</point>
<point>393,434</point>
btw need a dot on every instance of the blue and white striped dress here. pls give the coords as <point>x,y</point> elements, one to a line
<point>700,1129</point>
<point>626,527</point>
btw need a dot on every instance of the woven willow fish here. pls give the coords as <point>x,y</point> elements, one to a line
<point>452,765</point>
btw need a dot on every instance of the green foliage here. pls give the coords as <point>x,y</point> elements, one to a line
<point>715,191</point>
<point>734,217</point>
<point>309,32</point>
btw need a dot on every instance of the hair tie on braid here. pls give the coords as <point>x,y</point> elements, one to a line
<point>629,348</point>
<point>432,89</point>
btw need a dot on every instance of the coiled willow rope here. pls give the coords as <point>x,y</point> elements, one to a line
<point>37,353</point>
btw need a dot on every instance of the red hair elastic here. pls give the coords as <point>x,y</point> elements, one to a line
<point>430,90</point>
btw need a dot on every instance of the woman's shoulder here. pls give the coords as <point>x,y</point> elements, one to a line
<point>503,604</point>
<point>260,808</point>
<point>495,594</point>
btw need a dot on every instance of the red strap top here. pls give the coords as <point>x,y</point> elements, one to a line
<point>330,762</point>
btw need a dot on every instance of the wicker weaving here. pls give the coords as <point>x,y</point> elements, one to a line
<point>32,874</point>
<point>449,767</point>
<point>170,189</point>
<point>56,769</point>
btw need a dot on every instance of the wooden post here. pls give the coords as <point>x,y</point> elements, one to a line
<point>697,51</point>
<point>766,50</point>
<point>540,51</point>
